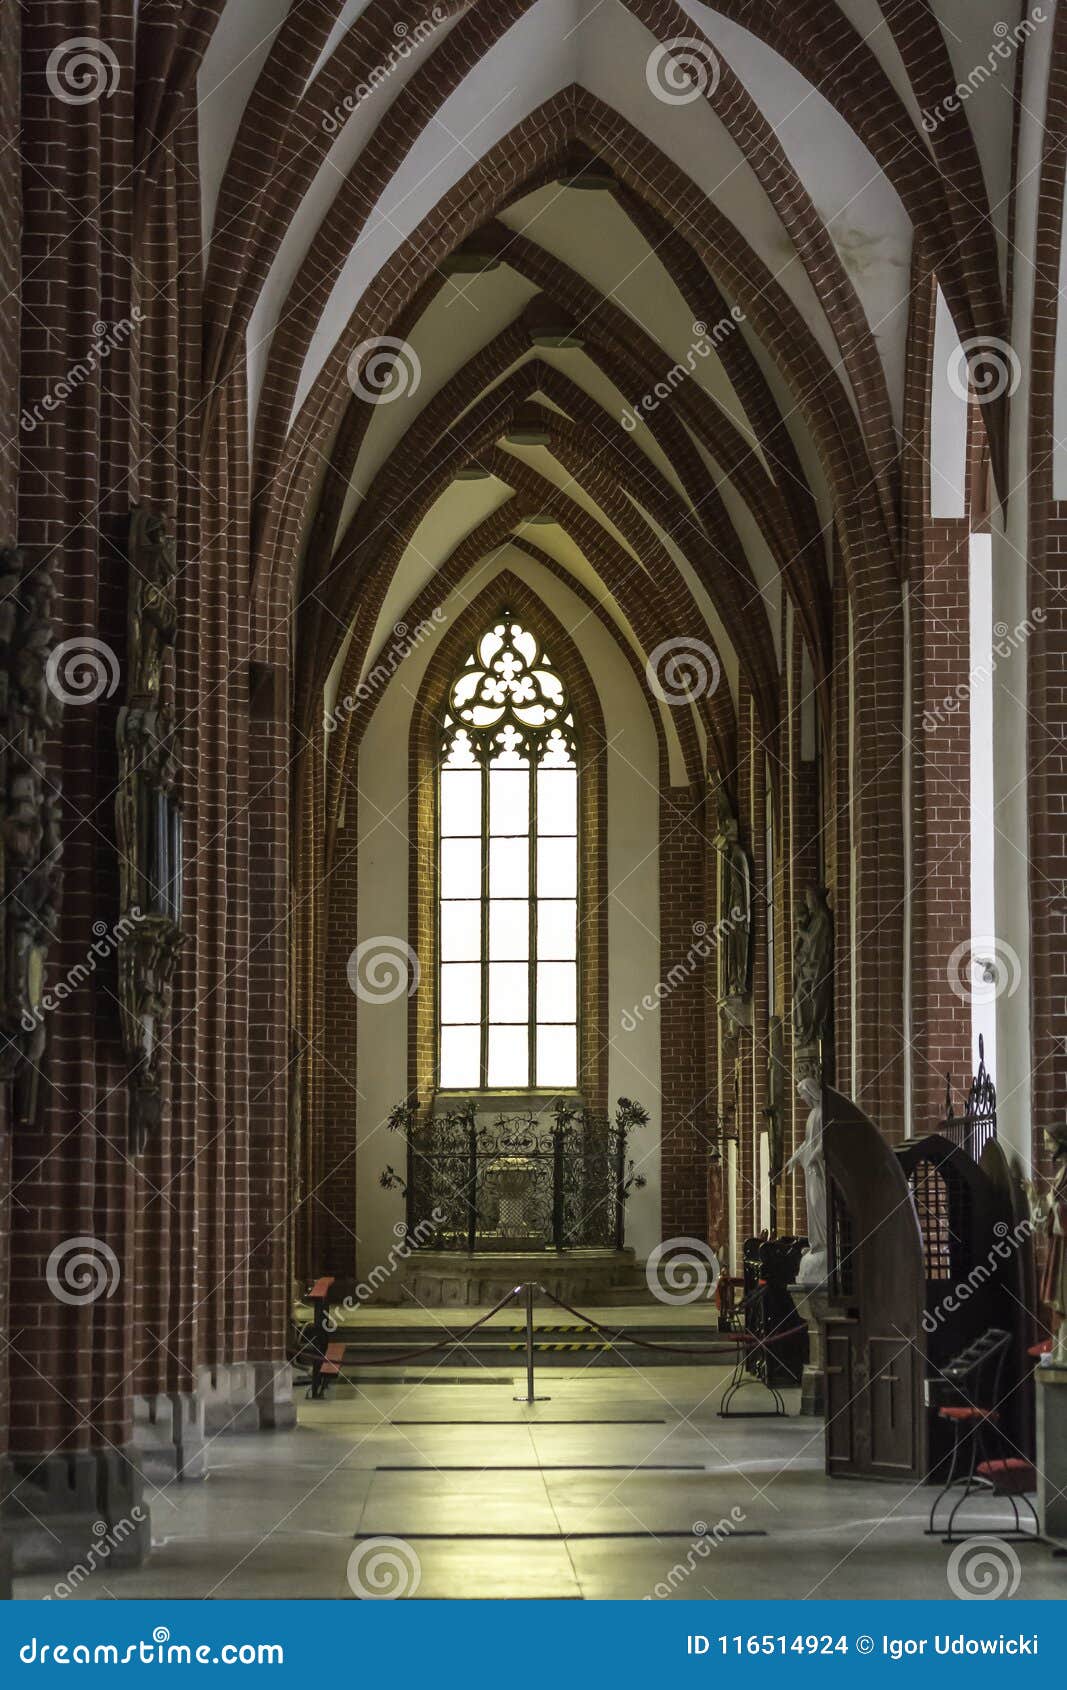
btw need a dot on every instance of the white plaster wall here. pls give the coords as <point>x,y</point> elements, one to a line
<point>1010,572</point>
<point>633,910</point>
<point>948,419</point>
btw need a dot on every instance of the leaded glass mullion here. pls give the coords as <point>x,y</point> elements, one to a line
<point>507,711</point>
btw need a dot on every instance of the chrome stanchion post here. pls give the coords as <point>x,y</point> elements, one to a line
<point>530,1397</point>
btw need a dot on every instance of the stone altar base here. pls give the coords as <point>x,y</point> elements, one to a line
<point>1052,1451</point>
<point>442,1279</point>
<point>812,1303</point>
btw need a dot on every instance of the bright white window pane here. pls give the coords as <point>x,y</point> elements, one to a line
<point>461,868</point>
<point>557,989</point>
<point>461,1049</point>
<point>557,1056</point>
<point>509,868</point>
<point>557,923</point>
<point>461,932</point>
<point>509,991</point>
<point>461,992</point>
<point>509,801</point>
<point>557,868</point>
<point>509,1056</point>
<point>509,930</point>
<point>461,802</point>
<point>557,800</point>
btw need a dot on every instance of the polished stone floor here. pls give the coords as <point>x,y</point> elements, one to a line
<point>625,1483</point>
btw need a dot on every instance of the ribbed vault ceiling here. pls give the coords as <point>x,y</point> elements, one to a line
<point>758,231</point>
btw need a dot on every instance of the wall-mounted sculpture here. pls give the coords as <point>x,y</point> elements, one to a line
<point>813,973</point>
<point>30,846</point>
<point>148,821</point>
<point>735,917</point>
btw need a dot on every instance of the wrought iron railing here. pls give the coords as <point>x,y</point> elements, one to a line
<point>978,1125</point>
<point>521,1181</point>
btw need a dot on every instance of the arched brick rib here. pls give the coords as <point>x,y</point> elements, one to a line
<point>262,198</point>
<point>646,608</point>
<point>757,141</point>
<point>431,435</point>
<point>801,560</point>
<point>275,132</point>
<point>826,48</point>
<point>818,391</point>
<point>601,479</point>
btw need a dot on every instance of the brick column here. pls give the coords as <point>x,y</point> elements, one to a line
<point>71,1462</point>
<point>939,603</point>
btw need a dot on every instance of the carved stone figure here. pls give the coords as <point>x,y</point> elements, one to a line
<point>776,1091</point>
<point>813,970</point>
<point>30,821</point>
<point>735,916</point>
<point>148,821</point>
<point>153,618</point>
<point>1048,1208</point>
<point>809,1157</point>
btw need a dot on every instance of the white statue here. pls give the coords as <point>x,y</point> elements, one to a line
<point>809,1156</point>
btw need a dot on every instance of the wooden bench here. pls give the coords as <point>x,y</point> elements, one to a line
<point>326,1369</point>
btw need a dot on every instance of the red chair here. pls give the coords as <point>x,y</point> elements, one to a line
<point>973,1380</point>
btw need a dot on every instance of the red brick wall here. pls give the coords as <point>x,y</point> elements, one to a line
<point>939,604</point>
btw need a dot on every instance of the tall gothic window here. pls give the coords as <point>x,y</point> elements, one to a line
<point>507,842</point>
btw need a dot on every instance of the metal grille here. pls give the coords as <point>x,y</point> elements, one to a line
<point>929,1189</point>
<point>978,1125</point>
<point>518,1182</point>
